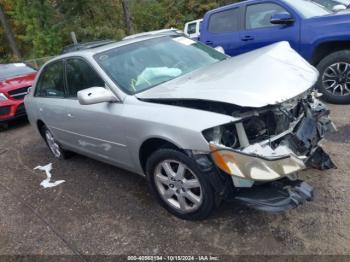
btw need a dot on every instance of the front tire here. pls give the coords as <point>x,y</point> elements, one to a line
<point>179,185</point>
<point>4,126</point>
<point>334,80</point>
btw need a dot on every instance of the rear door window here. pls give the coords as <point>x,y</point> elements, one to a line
<point>81,76</point>
<point>51,81</point>
<point>224,21</point>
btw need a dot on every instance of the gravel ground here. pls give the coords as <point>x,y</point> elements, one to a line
<point>101,209</point>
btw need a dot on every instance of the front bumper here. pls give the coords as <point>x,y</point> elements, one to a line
<point>261,175</point>
<point>11,109</point>
<point>294,150</point>
<point>277,196</point>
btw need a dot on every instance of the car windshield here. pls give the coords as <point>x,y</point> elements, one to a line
<point>330,4</point>
<point>142,65</point>
<point>308,9</point>
<point>13,70</point>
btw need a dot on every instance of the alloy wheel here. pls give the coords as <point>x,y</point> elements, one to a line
<point>54,147</point>
<point>336,79</point>
<point>178,186</point>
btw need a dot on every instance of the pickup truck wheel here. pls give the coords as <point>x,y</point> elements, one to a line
<point>334,80</point>
<point>55,148</point>
<point>179,185</point>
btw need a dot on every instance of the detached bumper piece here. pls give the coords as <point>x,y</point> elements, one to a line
<point>320,160</point>
<point>275,197</point>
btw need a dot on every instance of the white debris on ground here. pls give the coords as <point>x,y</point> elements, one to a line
<point>47,183</point>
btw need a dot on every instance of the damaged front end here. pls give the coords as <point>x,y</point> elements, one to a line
<point>268,146</point>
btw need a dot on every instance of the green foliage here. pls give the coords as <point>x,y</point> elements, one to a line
<point>91,19</point>
<point>41,32</point>
<point>42,27</point>
<point>157,14</point>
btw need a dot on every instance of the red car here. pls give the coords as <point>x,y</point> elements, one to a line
<point>15,79</point>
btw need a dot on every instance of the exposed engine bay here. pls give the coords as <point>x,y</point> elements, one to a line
<point>268,143</point>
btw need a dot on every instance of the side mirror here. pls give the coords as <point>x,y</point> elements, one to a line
<point>96,95</point>
<point>282,18</point>
<point>338,8</point>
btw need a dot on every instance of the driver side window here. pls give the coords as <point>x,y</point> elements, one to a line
<point>259,15</point>
<point>81,76</point>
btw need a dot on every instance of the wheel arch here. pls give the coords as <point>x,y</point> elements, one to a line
<point>326,48</point>
<point>152,144</point>
<point>40,124</point>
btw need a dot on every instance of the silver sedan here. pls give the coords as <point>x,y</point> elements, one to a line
<point>200,126</point>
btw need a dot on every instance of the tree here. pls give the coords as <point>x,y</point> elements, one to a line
<point>89,20</point>
<point>127,17</point>
<point>9,34</point>
<point>42,27</point>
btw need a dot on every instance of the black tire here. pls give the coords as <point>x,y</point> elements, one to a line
<point>63,154</point>
<point>4,126</point>
<point>208,197</point>
<point>336,57</point>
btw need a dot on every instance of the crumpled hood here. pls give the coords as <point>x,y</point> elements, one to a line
<point>266,76</point>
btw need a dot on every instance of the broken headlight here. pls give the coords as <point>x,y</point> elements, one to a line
<point>255,167</point>
<point>225,135</point>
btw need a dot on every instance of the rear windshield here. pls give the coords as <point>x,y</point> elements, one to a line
<point>13,70</point>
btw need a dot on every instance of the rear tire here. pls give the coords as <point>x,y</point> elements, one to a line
<point>54,147</point>
<point>179,185</point>
<point>334,80</point>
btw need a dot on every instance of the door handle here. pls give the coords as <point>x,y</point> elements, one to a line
<point>247,38</point>
<point>209,43</point>
<point>70,115</point>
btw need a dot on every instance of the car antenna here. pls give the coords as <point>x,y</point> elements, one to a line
<point>74,38</point>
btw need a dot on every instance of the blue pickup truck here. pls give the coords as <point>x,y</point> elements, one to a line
<point>320,35</point>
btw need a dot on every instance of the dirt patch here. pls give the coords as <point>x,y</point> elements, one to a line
<point>341,136</point>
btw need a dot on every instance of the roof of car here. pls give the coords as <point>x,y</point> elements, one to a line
<point>87,45</point>
<point>229,6</point>
<point>169,31</point>
<point>95,50</point>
